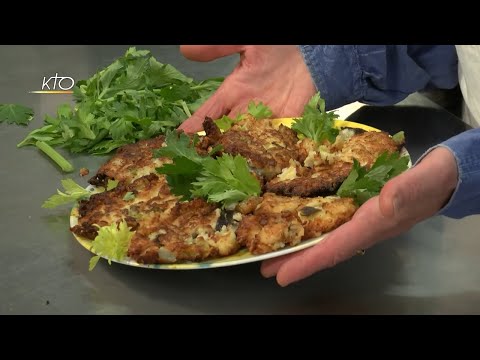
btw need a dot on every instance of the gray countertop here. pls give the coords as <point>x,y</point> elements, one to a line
<point>432,269</point>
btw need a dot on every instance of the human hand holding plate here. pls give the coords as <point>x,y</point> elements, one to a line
<point>407,199</point>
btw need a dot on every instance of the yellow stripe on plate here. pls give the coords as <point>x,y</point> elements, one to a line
<point>338,123</point>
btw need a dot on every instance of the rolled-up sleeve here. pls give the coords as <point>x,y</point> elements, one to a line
<point>378,74</point>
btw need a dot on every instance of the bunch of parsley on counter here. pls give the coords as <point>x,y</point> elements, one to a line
<point>134,98</point>
<point>225,179</point>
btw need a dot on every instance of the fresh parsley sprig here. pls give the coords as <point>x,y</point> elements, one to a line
<point>362,184</point>
<point>316,123</point>
<point>73,193</point>
<point>15,114</point>
<point>225,179</point>
<point>111,242</point>
<point>258,111</point>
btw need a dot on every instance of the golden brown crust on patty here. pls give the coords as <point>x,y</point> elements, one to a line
<point>212,131</point>
<point>130,162</point>
<point>267,149</point>
<point>367,146</point>
<point>151,194</point>
<point>187,234</point>
<point>207,142</point>
<point>166,230</point>
<point>333,212</point>
<point>280,221</point>
<point>249,205</point>
<point>329,165</point>
<point>319,181</point>
<point>265,233</point>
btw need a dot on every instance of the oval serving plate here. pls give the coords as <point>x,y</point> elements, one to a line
<point>243,256</point>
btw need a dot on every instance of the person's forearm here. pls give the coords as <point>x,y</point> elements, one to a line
<point>465,200</point>
<point>378,74</point>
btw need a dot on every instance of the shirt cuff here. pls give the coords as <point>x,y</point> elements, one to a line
<point>465,200</point>
<point>336,72</point>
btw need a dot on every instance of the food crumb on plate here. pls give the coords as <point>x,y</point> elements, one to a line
<point>84,172</point>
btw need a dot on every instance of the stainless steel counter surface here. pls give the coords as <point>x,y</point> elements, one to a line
<point>432,269</point>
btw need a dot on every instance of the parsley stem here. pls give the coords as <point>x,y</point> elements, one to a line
<point>55,156</point>
<point>185,108</point>
<point>199,87</point>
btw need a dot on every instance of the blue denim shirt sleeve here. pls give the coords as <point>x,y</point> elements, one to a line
<point>465,200</point>
<point>378,74</point>
<point>386,74</point>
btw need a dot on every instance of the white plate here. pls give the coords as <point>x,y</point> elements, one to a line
<point>241,257</point>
